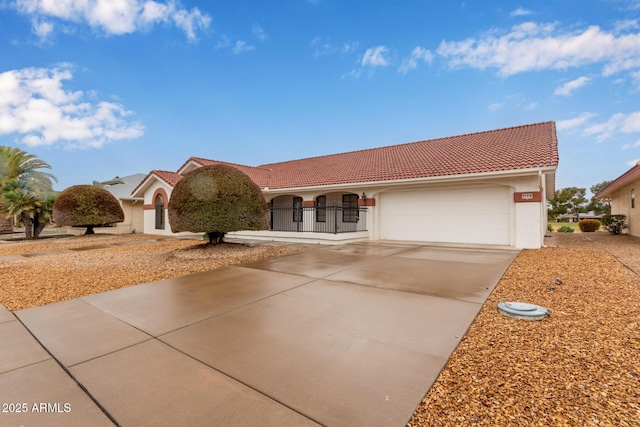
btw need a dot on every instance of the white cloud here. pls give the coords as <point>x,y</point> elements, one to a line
<point>223,43</point>
<point>627,24</point>
<point>617,123</point>
<point>514,101</point>
<point>259,33</point>
<point>637,144</point>
<point>569,87</point>
<point>631,123</point>
<point>531,46</point>
<point>521,12</point>
<point>353,74</point>
<point>323,46</point>
<point>411,63</point>
<point>42,28</point>
<point>633,163</point>
<point>114,17</point>
<point>241,47</point>
<point>574,122</point>
<point>34,105</point>
<point>375,57</point>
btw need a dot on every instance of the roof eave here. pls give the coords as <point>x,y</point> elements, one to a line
<point>624,179</point>
<point>190,161</point>
<point>425,180</point>
<point>145,183</point>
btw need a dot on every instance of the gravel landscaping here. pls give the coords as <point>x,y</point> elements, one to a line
<point>44,279</point>
<point>579,367</point>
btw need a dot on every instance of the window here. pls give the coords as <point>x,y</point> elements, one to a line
<point>271,205</point>
<point>159,212</point>
<point>321,209</point>
<point>633,198</point>
<point>350,208</point>
<point>297,209</point>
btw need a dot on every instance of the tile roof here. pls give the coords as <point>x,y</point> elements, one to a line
<point>521,147</point>
<point>170,178</point>
<point>258,174</point>
<point>624,179</point>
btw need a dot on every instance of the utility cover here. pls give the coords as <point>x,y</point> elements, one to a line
<point>523,310</point>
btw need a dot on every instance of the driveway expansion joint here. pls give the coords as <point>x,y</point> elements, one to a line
<point>70,375</point>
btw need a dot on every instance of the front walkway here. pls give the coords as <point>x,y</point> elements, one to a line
<point>338,336</point>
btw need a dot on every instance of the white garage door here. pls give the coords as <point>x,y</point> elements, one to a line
<point>470,215</point>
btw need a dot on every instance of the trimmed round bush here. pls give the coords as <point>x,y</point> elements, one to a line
<point>86,206</point>
<point>614,223</point>
<point>589,225</point>
<point>217,199</point>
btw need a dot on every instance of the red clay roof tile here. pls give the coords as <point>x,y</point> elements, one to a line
<point>521,147</point>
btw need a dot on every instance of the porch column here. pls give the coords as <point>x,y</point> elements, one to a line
<point>308,215</point>
<point>529,220</point>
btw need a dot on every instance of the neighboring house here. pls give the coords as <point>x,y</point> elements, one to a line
<point>121,188</point>
<point>622,195</point>
<point>485,188</point>
<point>572,217</point>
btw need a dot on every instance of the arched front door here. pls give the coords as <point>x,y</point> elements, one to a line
<point>159,212</point>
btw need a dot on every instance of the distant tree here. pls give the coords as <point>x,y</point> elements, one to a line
<point>32,209</point>
<point>19,200</point>
<point>597,205</point>
<point>16,164</point>
<point>215,200</point>
<point>86,206</point>
<point>569,200</point>
<point>43,214</point>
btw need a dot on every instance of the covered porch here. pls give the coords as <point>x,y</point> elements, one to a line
<point>329,218</point>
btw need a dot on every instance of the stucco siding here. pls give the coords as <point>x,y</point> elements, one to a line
<point>621,204</point>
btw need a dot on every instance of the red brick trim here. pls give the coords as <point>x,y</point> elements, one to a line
<point>308,203</point>
<point>163,193</point>
<point>367,202</point>
<point>527,196</point>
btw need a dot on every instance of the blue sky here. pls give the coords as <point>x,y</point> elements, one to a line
<point>103,88</point>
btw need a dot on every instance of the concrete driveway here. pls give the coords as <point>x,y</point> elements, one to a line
<point>349,335</point>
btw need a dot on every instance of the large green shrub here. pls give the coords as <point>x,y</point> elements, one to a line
<point>565,229</point>
<point>589,225</point>
<point>614,223</point>
<point>86,206</point>
<point>215,200</point>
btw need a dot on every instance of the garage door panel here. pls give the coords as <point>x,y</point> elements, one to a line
<point>473,215</point>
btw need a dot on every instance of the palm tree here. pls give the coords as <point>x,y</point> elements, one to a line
<point>18,200</point>
<point>16,164</point>
<point>43,215</point>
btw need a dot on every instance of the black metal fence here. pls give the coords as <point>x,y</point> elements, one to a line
<point>320,219</point>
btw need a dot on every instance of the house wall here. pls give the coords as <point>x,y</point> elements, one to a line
<point>527,219</point>
<point>621,205</point>
<point>149,208</point>
<point>133,217</point>
<point>133,220</point>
